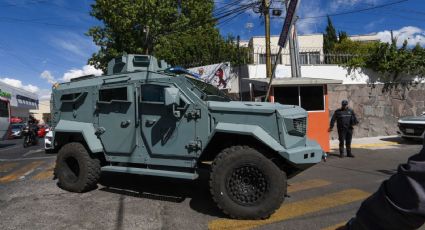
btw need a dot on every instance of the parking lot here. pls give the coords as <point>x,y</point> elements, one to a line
<point>323,197</point>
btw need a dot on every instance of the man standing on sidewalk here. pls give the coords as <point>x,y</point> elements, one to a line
<point>345,120</point>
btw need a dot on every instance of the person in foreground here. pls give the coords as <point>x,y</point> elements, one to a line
<point>399,202</point>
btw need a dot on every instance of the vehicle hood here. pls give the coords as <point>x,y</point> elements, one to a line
<point>412,119</point>
<point>247,106</point>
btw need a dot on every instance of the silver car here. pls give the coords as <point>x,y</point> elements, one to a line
<point>412,127</point>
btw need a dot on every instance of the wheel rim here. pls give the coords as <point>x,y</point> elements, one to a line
<point>247,185</point>
<point>71,169</point>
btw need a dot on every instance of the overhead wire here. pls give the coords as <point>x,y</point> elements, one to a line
<point>355,11</point>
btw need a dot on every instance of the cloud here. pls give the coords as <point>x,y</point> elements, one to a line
<point>86,70</point>
<point>308,26</point>
<point>344,4</point>
<point>48,76</point>
<point>412,34</point>
<point>44,94</point>
<point>74,44</point>
<point>18,84</point>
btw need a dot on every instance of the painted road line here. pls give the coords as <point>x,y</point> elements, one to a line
<point>6,167</point>
<point>308,184</point>
<point>9,148</point>
<point>371,145</point>
<point>295,209</point>
<point>21,172</point>
<point>26,159</point>
<point>32,151</point>
<point>46,174</point>
<point>335,226</point>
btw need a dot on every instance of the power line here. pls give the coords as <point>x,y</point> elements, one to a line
<point>356,11</point>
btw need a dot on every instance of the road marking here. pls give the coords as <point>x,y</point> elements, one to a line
<point>13,147</point>
<point>21,172</point>
<point>25,159</point>
<point>32,151</point>
<point>7,166</point>
<point>371,145</point>
<point>295,209</point>
<point>46,174</point>
<point>336,226</point>
<point>308,184</point>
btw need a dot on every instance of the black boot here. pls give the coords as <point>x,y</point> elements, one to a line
<point>349,154</point>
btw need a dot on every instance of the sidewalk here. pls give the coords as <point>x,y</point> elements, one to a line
<point>371,142</point>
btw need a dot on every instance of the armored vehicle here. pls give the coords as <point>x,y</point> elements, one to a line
<point>140,118</point>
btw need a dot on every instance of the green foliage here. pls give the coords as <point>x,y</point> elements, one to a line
<point>329,38</point>
<point>181,37</point>
<point>342,36</point>
<point>394,65</point>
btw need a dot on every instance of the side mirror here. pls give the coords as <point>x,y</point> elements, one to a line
<point>172,96</point>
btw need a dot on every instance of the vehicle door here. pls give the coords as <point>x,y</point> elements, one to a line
<point>117,113</point>
<point>167,130</point>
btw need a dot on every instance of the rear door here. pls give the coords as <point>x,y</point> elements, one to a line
<point>116,111</point>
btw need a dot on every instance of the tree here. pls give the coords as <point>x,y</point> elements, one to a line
<point>329,38</point>
<point>180,32</point>
<point>342,36</point>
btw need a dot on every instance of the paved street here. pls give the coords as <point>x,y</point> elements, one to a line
<point>322,197</point>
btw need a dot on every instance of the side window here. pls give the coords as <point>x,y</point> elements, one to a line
<point>152,93</point>
<point>70,97</point>
<point>116,94</point>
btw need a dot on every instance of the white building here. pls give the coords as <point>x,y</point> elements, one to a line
<point>310,47</point>
<point>365,37</point>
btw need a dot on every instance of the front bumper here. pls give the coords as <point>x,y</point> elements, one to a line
<point>309,154</point>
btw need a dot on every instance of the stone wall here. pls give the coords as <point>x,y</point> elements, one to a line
<point>377,110</point>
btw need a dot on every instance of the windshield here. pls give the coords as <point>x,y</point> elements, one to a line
<point>17,126</point>
<point>211,93</point>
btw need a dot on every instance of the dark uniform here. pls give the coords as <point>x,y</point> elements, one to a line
<point>345,119</point>
<point>400,201</point>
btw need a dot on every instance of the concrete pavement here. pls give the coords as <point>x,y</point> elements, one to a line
<point>322,197</point>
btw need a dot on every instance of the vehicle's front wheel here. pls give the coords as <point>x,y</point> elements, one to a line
<point>245,184</point>
<point>76,170</point>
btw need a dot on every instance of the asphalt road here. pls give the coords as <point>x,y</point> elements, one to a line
<point>323,197</point>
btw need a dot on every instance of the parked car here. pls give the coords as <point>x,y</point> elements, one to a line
<point>412,127</point>
<point>48,145</point>
<point>16,130</point>
<point>42,130</point>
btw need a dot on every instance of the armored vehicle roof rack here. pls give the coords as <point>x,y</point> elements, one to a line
<point>82,77</point>
<point>135,62</point>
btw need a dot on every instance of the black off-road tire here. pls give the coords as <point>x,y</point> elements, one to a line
<point>76,170</point>
<point>245,184</point>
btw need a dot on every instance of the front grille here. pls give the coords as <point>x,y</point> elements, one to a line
<point>299,127</point>
<point>408,128</point>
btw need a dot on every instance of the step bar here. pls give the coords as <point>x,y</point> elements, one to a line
<point>151,172</point>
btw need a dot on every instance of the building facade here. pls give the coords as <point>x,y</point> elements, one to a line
<point>21,101</point>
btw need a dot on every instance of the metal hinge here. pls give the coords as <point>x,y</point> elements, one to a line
<point>193,114</point>
<point>194,146</point>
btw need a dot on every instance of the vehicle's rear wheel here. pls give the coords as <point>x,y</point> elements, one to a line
<point>76,170</point>
<point>245,184</point>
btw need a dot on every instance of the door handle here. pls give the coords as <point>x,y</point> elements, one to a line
<point>125,123</point>
<point>150,122</point>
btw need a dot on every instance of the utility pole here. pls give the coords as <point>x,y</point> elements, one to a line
<point>294,50</point>
<point>266,11</point>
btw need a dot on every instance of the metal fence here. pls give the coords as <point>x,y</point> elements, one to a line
<point>309,56</point>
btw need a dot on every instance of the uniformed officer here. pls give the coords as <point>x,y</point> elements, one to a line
<point>345,119</point>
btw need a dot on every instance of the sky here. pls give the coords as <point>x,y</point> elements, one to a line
<point>44,41</point>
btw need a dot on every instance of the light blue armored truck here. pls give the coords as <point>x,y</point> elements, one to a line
<point>142,119</point>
